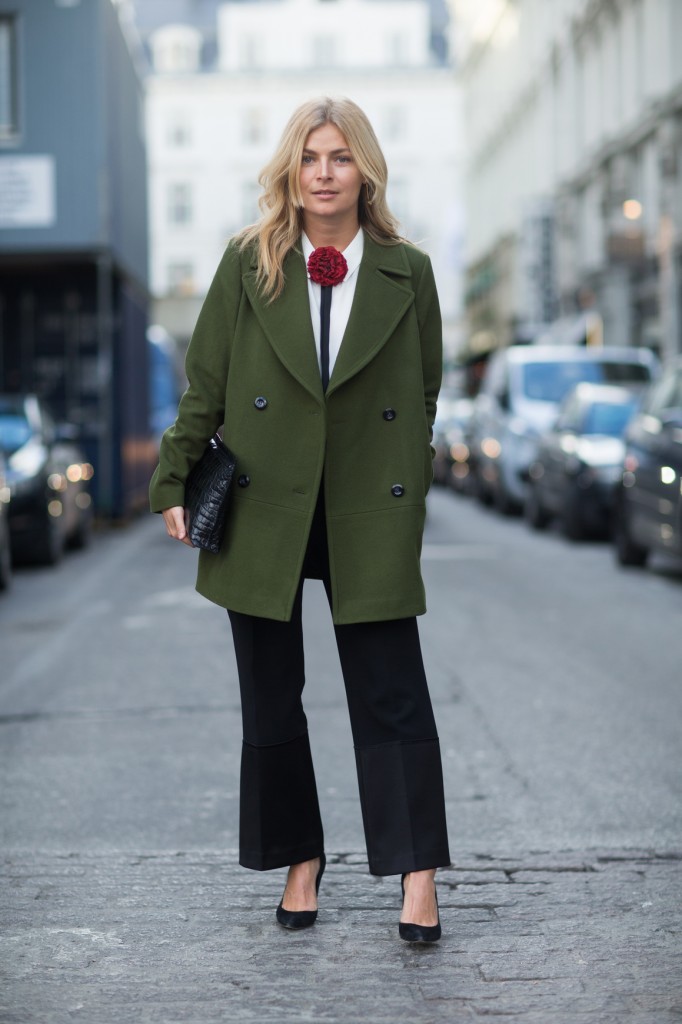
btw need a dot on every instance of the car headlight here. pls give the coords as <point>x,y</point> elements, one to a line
<point>27,460</point>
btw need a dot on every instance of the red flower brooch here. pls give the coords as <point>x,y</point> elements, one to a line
<point>327,265</point>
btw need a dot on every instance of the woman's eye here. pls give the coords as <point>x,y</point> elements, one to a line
<point>307,159</point>
<point>343,159</point>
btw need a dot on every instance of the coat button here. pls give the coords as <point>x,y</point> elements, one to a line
<point>244,480</point>
<point>389,414</point>
<point>397,490</point>
<point>260,402</point>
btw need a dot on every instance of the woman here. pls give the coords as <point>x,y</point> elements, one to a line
<point>329,412</point>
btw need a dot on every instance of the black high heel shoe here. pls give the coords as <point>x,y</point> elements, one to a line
<point>296,919</point>
<point>419,932</point>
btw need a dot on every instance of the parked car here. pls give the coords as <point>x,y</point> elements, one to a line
<point>519,400</point>
<point>649,499</point>
<point>47,476</point>
<point>451,462</point>
<point>5,551</point>
<point>447,401</point>
<point>579,461</point>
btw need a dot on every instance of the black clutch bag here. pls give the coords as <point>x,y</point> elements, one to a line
<point>207,495</point>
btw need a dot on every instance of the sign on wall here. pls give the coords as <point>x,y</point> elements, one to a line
<point>27,192</point>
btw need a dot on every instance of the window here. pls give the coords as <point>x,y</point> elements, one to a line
<point>178,132</point>
<point>250,52</point>
<point>253,126</point>
<point>250,194</point>
<point>324,51</point>
<point>9,100</point>
<point>180,203</point>
<point>398,199</point>
<point>395,122</point>
<point>397,48</point>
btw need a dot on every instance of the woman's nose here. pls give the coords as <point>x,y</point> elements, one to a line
<point>325,167</point>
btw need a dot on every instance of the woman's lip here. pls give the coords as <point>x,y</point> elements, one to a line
<point>324,193</point>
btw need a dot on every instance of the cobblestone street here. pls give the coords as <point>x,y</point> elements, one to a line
<point>119,721</point>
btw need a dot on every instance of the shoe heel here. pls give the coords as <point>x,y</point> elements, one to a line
<point>294,920</point>
<point>419,932</point>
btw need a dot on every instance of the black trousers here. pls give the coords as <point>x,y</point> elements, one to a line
<point>394,733</point>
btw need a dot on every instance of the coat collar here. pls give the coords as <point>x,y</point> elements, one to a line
<point>382,297</point>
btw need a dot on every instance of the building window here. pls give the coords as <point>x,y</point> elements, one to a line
<point>250,194</point>
<point>180,203</point>
<point>397,195</point>
<point>180,278</point>
<point>397,49</point>
<point>9,78</point>
<point>176,49</point>
<point>250,52</point>
<point>178,133</point>
<point>253,126</point>
<point>324,51</point>
<point>395,122</point>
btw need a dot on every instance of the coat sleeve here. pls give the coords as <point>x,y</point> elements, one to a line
<point>202,407</point>
<point>431,340</point>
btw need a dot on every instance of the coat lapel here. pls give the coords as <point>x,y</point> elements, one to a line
<point>287,323</point>
<point>382,297</point>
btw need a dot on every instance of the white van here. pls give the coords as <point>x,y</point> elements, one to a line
<point>519,399</point>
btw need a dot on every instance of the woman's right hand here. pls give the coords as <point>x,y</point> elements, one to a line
<point>176,525</point>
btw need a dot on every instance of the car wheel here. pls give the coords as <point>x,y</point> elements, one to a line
<point>503,501</point>
<point>572,525</point>
<point>80,538</point>
<point>480,490</point>
<point>534,512</point>
<point>628,552</point>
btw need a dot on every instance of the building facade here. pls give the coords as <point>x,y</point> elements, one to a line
<point>211,131</point>
<point>574,174</point>
<point>73,239</point>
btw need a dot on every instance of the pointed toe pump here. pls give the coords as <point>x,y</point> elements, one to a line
<point>419,932</point>
<point>297,919</point>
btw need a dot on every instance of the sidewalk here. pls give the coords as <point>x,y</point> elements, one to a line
<point>142,937</point>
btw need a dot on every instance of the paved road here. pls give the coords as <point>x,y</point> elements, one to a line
<point>556,680</point>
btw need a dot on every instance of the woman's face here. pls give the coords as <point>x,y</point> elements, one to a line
<point>330,180</point>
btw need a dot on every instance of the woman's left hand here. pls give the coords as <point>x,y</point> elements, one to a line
<point>176,524</point>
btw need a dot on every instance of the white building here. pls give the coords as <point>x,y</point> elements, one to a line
<point>210,133</point>
<point>574,182</point>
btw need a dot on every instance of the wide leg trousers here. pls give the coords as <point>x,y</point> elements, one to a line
<point>397,751</point>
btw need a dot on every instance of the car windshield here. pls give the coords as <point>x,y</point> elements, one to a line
<point>551,381</point>
<point>15,431</point>
<point>608,418</point>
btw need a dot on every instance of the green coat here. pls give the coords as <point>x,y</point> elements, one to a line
<point>243,349</point>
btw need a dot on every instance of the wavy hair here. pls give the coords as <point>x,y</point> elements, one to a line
<point>281,204</point>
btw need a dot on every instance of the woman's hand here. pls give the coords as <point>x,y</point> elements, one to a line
<point>176,524</point>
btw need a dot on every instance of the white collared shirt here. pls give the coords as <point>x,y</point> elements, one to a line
<point>342,296</point>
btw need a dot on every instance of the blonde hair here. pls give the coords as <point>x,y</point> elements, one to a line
<point>281,204</point>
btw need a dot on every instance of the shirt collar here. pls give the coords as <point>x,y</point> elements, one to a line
<point>352,252</point>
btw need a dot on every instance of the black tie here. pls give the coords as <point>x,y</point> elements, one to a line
<point>325,309</point>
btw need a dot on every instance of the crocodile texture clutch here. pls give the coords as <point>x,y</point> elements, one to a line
<point>207,494</point>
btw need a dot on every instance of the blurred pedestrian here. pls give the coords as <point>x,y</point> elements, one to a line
<point>326,383</point>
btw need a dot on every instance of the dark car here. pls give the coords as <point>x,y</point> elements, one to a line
<point>5,551</point>
<point>579,461</point>
<point>649,499</point>
<point>450,439</point>
<point>47,476</point>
